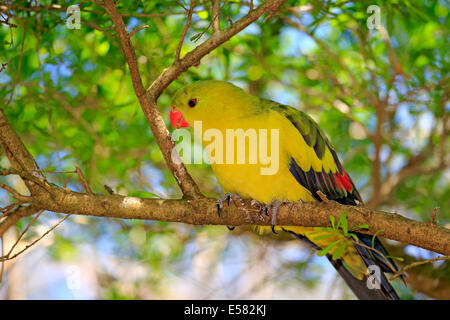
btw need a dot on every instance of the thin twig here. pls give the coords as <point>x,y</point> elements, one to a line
<point>66,181</point>
<point>132,33</point>
<point>215,16</point>
<point>398,69</point>
<point>3,262</point>
<point>3,66</point>
<point>15,216</point>
<point>9,24</point>
<point>22,234</point>
<point>186,27</point>
<point>418,263</point>
<point>433,215</point>
<point>26,175</point>
<point>83,180</point>
<point>322,196</point>
<point>19,67</point>
<point>12,191</point>
<point>35,241</point>
<point>8,208</point>
<point>378,252</point>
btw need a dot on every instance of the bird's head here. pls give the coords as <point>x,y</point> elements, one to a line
<point>208,101</point>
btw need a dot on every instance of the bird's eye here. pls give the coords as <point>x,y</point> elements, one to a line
<point>192,102</point>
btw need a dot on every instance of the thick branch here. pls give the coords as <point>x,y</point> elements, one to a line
<point>203,211</point>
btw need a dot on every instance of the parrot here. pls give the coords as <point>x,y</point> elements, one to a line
<point>306,163</point>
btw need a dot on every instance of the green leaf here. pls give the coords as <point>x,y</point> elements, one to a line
<point>196,36</point>
<point>327,249</point>
<point>354,236</point>
<point>340,250</point>
<point>323,228</point>
<point>344,226</point>
<point>343,223</point>
<point>50,168</point>
<point>143,194</point>
<point>332,221</point>
<point>324,236</point>
<point>374,236</point>
<point>395,258</point>
<point>361,226</point>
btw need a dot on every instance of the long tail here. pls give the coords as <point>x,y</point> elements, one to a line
<point>360,287</point>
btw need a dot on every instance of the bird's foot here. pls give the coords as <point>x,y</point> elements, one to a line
<point>273,207</point>
<point>227,197</point>
<point>265,208</point>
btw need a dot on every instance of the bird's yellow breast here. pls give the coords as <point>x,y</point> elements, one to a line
<point>256,158</point>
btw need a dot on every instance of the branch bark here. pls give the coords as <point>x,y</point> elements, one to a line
<point>203,211</point>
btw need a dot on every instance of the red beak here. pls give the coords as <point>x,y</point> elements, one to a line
<point>177,119</point>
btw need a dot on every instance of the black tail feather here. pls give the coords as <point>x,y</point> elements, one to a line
<point>360,287</point>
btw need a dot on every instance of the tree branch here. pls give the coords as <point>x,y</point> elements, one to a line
<point>203,211</point>
<point>416,264</point>
<point>186,27</point>
<point>215,15</point>
<point>15,216</point>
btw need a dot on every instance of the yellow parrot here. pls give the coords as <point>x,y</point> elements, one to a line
<point>295,160</point>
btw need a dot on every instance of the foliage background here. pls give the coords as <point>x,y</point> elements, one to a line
<point>383,101</point>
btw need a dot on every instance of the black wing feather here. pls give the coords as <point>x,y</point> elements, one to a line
<point>332,185</point>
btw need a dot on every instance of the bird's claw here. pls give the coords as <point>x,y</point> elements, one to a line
<point>226,197</point>
<point>273,207</point>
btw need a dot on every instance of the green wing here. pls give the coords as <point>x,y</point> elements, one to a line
<point>336,184</point>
